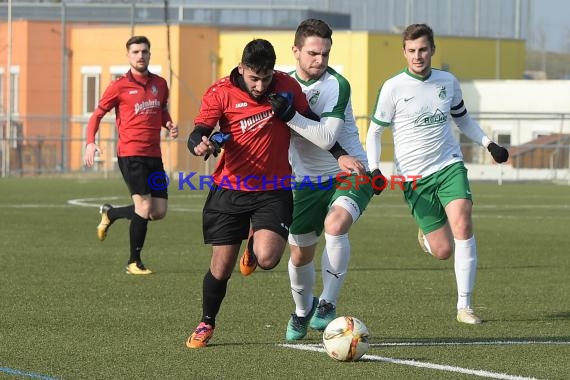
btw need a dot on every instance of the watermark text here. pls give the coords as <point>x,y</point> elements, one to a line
<point>341,181</point>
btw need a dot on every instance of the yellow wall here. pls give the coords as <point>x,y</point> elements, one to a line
<point>471,58</point>
<point>368,59</point>
<point>349,56</point>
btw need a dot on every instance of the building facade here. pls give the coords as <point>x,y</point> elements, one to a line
<point>62,75</point>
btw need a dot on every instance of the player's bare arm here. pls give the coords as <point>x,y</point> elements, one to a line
<point>351,164</point>
<point>172,129</point>
<point>89,156</point>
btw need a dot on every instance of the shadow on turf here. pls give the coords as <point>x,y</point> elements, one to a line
<point>467,341</point>
<point>443,268</point>
<point>308,341</point>
<point>557,316</point>
<point>561,315</point>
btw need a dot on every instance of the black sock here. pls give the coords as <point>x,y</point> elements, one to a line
<point>213,293</point>
<point>137,234</point>
<point>250,245</point>
<point>126,212</point>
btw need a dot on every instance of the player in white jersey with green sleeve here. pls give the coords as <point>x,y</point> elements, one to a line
<point>419,104</point>
<point>323,201</point>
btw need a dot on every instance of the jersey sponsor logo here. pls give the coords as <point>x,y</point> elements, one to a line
<point>132,92</point>
<point>408,99</point>
<point>154,90</point>
<point>441,92</point>
<point>428,120</point>
<point>241,105</point>
<point>147,105</point>
<point>313,97</point>
<point>254,121</point>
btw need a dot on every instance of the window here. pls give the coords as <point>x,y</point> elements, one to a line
<point>118,71</point>
<point>503,139</point>
<point>14,90</point>
<point>466,148</point>
<point>90,91</point>
<point>539,134</point>
<point>2,88</point>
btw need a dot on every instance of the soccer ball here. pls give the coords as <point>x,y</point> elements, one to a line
<point>346,339</point>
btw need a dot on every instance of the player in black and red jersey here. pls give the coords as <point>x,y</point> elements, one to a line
<point>140,101</point>
<point>252,181</point>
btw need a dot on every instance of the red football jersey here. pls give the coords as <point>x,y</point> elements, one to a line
<point>256,158</point>
<point>140,104</point>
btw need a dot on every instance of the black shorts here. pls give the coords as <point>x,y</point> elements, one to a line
<point>228,214</point>
<point>144,175</point>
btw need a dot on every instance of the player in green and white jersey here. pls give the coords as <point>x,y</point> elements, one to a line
<point>322,200</point>
<point>419,104</point>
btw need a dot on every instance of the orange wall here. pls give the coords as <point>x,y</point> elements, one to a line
<point>36,49</point>
<point>198,49</point>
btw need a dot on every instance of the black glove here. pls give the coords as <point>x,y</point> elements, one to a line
<point>378,181</point>
<point>337,151</point>
<point>499,153</point>
<point>282,105</point>
<point>218,139</point>
<point>195,137</point>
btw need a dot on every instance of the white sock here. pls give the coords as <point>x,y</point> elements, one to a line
<point>426,244</point>
<point>465,270</point>
<point>302,283</point>
<point>334,266</point>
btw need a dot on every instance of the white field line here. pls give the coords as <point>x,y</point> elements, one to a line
<point>96,202</point>
<point>16,372</point>
<point>92,202</point>
<point>414,363</point>
<point>482,343</point>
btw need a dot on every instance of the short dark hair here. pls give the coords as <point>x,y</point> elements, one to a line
<point>259,55</point>
<point>312,27</point>
<point>415,31</point>
<point>137,40</point>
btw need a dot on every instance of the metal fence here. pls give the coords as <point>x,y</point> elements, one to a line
<point>52,152</point>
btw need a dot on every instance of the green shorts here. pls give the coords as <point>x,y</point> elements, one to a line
<point>431,194</point>
<point>313,201</point>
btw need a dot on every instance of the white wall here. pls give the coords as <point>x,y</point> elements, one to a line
<point>522,108</point>
<point>500,173</point>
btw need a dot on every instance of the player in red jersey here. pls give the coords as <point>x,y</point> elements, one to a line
<point>252,181</point>
<point>140,101</point>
